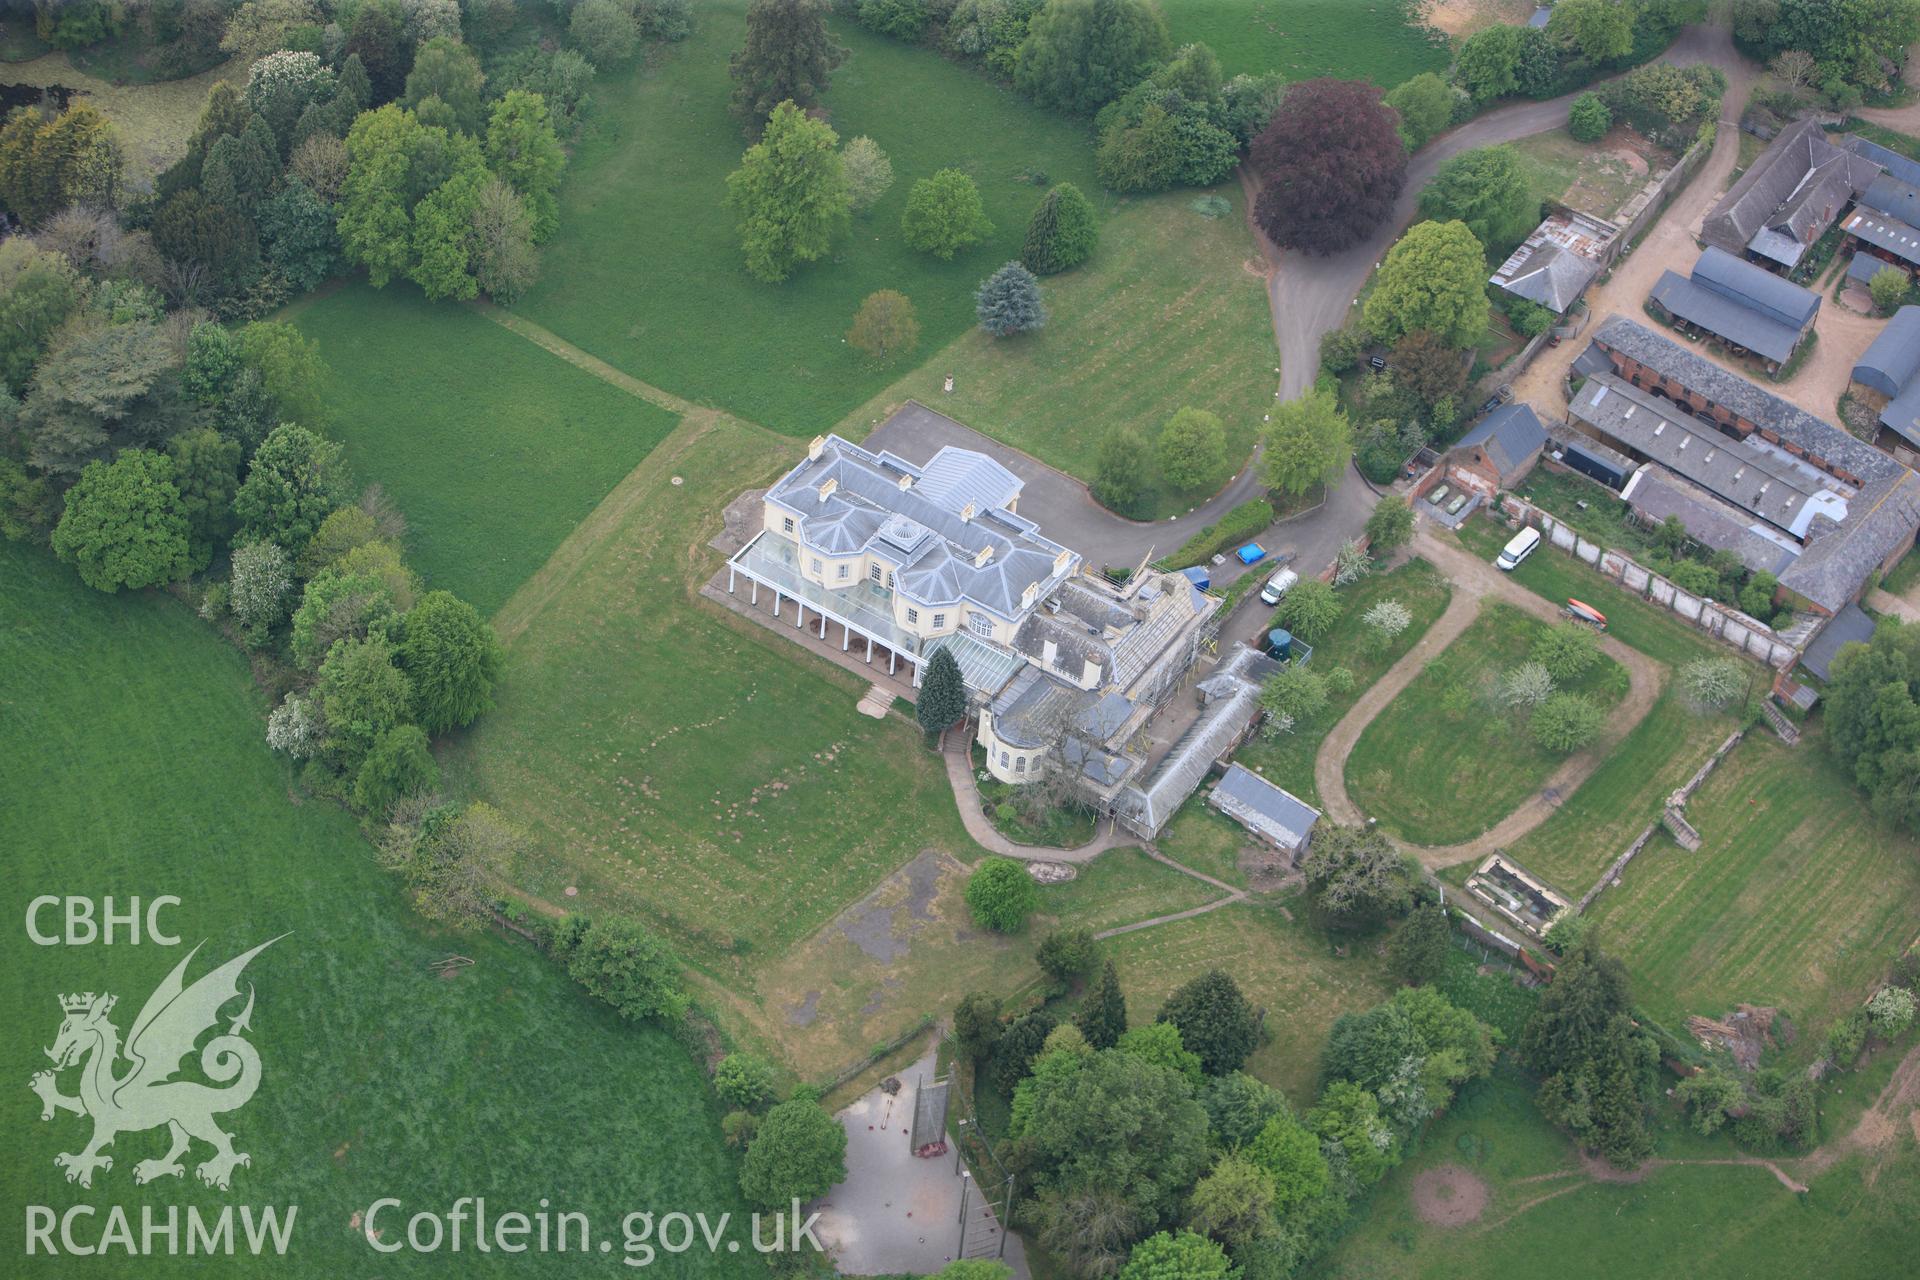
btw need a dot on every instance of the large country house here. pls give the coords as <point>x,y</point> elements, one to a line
<point>1065,670</point>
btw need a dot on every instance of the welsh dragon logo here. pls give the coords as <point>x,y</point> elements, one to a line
<point>145,1095</point>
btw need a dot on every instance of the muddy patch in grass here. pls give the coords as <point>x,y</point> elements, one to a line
<point>1449,1196</point>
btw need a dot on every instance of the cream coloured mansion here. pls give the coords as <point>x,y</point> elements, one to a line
<point>1063,668</point>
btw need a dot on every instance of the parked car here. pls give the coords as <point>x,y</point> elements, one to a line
<point>1439,494</point>
<point>1277,586</point>
<point>1518,548</point>
<point>1459,501</point>
<point>1377,363</point>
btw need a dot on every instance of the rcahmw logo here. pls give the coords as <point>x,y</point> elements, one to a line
<point>131,1086</point>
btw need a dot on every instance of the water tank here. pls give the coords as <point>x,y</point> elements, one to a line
<point>1280,645</point>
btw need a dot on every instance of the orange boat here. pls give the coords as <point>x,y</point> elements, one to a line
<point>1583,612</point>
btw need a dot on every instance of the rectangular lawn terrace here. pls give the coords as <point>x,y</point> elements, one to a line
<point>1442,763</point>
<point>492,447</point>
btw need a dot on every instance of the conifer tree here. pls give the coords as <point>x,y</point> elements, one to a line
<point>1008,302</point>
<point>1103,1019</point>
<point>943,695</point>
<point>788,57</point>
<point>1061,233</point>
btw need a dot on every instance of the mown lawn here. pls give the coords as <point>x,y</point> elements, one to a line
<point>1163,317</point>
<point>1119,887</point>
<point>1202,837</point>
<point>1380,40</point>
<point>1285,964</point>
<point>1590,177</point>
<point>137,767</point>
<point>1544,1217</point>
<point>1598,821</point>
<point>493,448</point>
<point>646,270</point>
<point>1656,632</point>
<point>1287,759</point>
<point>1443,763</point>
<point>1798,898</point>
<point>685,765</point>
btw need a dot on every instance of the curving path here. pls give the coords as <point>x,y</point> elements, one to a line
<point>1474,583</point>
<point>1311,295</point>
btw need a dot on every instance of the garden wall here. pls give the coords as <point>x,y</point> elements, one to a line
<point>1729,626</point>
<point>1639,213</point>
<point>1679,798</point>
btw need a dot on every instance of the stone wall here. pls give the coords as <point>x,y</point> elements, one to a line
<point>1728,625</point>
<point>1612,874</point>
<point>1637,214</point>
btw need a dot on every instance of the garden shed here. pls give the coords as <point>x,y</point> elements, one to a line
<point>1274,815</point>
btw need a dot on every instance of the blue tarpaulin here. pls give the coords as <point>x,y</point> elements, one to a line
<point>1252,553</point>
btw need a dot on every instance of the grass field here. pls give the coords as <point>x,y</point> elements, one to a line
<point>1595,178</point>
<point>1442,763</point>
<point>1597,822</point>
<point>1714,1221</point>
<point>494,448</point>
<point>1379,41</point>
<point>1797,899</point>
<point>646,270</point>
<point>1287,759</point>
<point>144,773</point>
<point>688,766</point>
<point>1120,887</point>
<point>1205,839</point>
<point>1162,318</point>
<point>1555,575</point>
<point>153,121</point>
<point>1287,967</point>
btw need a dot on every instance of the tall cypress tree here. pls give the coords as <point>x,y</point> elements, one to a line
<point>1061,233</point>
<point>788,57</point>
<point>943,694</point>
<point>1103,1019</point>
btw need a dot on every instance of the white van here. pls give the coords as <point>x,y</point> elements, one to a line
<point>1519,549</point>
<point>1278,585</point>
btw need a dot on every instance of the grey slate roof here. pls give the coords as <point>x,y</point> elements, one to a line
<point>1888,365</point>
<point>1906,170</point>
<point>1746,305</point>
<point>1657,494</point>
<point>1777,297</point>
<point>1863,266</point>
<point>955,477</point>
<point>1263,808</point>
<point>1902,415</point>
<point>1035,708</point>
<point>1894,198</point>
<point>1849,626</point>
<point>1558,259</point>
<point>1788,196</point>
<point>1510,434</point>
<point>1841,551</point>
<point>1122,639</point>
<point>1549,275</point>
<point>925,535</point>
<point>1883,232</point>
<point>1743,397</point>
<point>1765,483</point>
